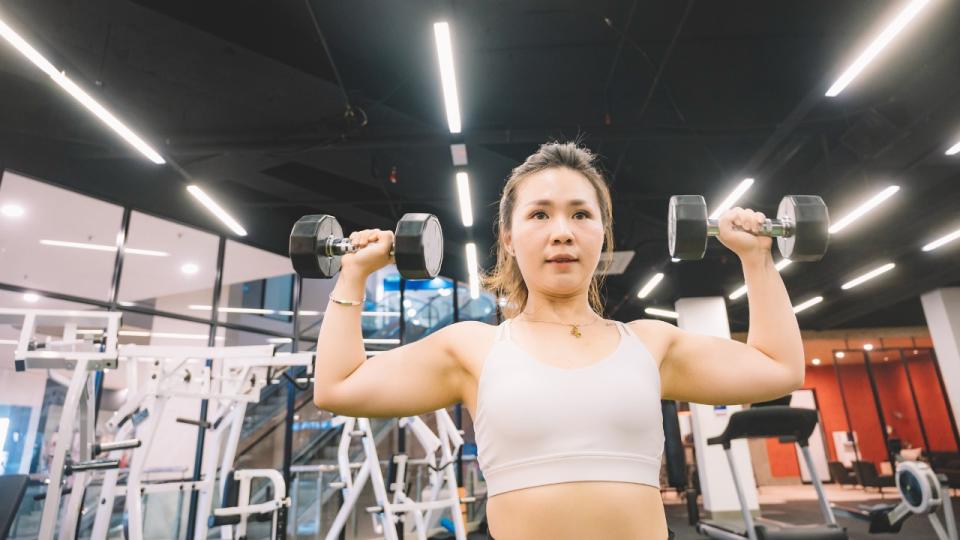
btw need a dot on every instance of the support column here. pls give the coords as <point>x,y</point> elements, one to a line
<point>708,316</point>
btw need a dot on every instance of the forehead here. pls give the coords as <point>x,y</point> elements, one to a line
<point>557,185</point>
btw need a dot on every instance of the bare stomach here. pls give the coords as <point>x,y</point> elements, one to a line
<point>578,510</point>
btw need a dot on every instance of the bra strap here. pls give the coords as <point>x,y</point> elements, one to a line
<point>503,331</point>
<point>624,329</point>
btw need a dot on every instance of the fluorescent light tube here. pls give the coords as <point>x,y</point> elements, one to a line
<point>942,240</point>
<point>808,304</point>
<point>651,283</point>
<point>877,45</point>
<point>661,313</point>
<point>463,192</point>
<point>471,249</point>
<point>859,211</point>
<point>448,78</point>
<point>216,210</point>
<point>868,276</point>
<point>732,198</point>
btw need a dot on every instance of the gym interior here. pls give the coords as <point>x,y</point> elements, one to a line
<point>179,180</point>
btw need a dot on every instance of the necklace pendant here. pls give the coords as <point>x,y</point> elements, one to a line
<point>574,330</point>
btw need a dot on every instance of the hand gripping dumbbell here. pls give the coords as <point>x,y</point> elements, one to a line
<point>801,228</point>
<point>317,243</point>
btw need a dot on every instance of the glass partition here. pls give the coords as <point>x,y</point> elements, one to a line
<point>168,267</point>
<point>44,246</point>
<point>941,431</point>
<point>257,289</point>
<point>864,418</point>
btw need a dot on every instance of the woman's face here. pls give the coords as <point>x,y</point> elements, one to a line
<point>556,233</point>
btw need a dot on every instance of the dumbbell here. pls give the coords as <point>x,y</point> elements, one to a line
<point>317,243</point>
<point>801,228</point>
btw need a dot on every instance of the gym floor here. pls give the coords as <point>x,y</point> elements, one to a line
<point>798,505</point>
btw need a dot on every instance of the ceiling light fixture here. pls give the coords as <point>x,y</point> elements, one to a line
<point>943,240</point>
<point>216,210</point>
<point>463,193</point>
<point>649,286</point>
<point>868,276</point>
<point>877,45</point>
<point>808,304</point>
<point>859,211</point>
<point>78,94</point>
<point>448,78</point>
<point>732,198</point>
<point>657,312</point>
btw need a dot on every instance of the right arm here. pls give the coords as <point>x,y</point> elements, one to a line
<point>420,377</point>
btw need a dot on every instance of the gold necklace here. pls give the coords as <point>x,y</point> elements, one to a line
<point>574,328</point>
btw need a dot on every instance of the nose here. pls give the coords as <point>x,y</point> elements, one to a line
<point>561,233</point>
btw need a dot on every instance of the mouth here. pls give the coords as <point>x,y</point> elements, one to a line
<point>562,260</point>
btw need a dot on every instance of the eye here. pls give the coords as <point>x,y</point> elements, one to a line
<point>583,213</point>
<point>538,213</point>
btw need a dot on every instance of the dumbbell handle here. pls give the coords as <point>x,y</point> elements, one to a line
<point>332,246</point>
<point>771,227</point>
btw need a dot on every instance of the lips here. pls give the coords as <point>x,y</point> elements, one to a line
<point>562,259</point>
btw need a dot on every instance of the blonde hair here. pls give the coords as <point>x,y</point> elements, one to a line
<point>505,279</point>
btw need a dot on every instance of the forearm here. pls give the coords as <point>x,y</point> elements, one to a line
<point>773,325</point>
<point>340,349</point>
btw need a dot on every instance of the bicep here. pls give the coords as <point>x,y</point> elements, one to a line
<point>717,371</point>
<point>413,379</point>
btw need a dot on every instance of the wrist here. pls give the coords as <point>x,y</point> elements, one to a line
<point>757,260</point>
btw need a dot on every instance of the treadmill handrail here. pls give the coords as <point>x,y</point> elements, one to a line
<point>794,423</point>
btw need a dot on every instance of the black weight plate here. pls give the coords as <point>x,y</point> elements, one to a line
<point>687,227</point>
<point>305,244</point>
<point>812,228</point>
<point>418,246</point>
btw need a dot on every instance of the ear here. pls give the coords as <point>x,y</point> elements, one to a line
<point>508,243</point>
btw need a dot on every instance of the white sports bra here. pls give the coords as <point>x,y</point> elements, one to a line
<point>540,424</point>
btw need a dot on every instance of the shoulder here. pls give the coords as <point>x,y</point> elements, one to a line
<point>656,335</point>
<point>466,328</point>
<point>653,325</point>
<point>469,342</point>
<point>466,335</point>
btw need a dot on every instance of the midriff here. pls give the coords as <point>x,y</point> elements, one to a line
<point>578,511</point>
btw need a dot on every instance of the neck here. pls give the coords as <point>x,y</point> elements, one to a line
<point>567,310</point>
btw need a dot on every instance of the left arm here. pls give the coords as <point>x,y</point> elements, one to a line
<point>711,370</point>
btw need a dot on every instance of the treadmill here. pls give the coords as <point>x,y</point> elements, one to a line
<point>790,425</point>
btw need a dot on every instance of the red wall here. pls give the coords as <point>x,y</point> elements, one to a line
<point>897,404</point>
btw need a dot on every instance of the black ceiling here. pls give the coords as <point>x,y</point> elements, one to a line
<point>676,96</point>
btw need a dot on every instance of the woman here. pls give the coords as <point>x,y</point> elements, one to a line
<point>566,403</point>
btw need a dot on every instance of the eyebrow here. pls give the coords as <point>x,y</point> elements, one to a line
<point>546,202</point>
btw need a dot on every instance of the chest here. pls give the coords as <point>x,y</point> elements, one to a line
<point>616,397</point>
<point>558,348</point>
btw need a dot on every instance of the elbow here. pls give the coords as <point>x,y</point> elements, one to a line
<point>321,398</point>
<point>798,377</point>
